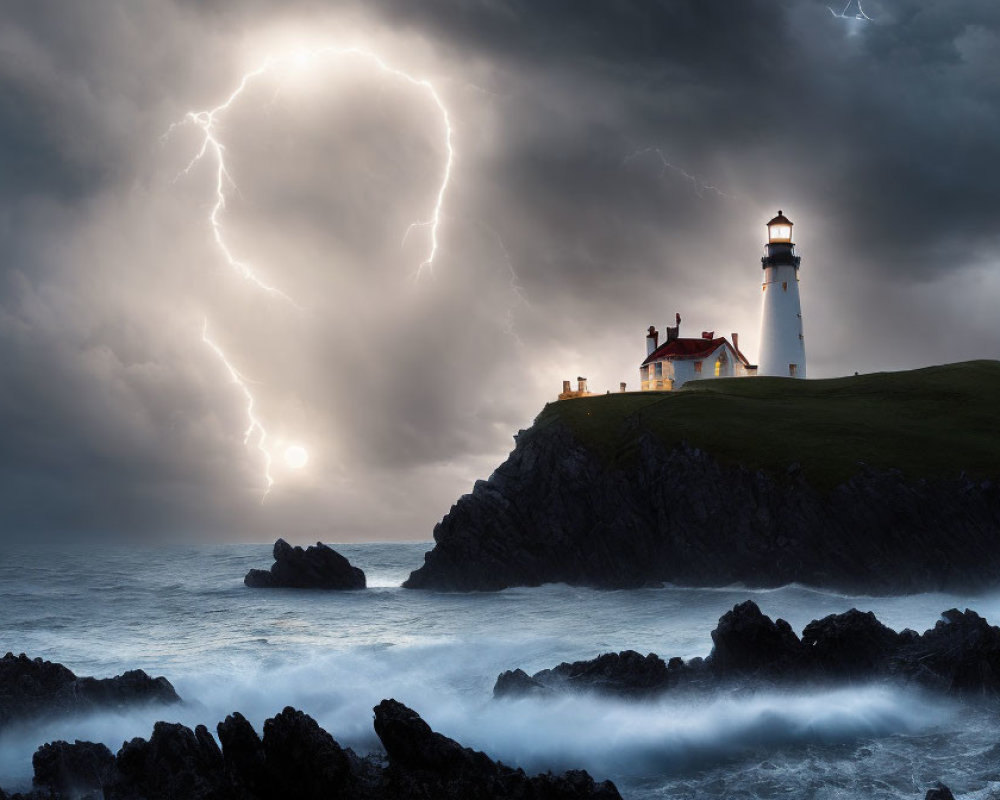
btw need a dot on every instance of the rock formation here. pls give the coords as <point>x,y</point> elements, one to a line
<point>959,655</point>
<point>34,688</point>
<point>319,567</point>
<point>560,511</point>
<point>296,758</point>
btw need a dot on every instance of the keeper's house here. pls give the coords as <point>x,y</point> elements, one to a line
<point>670,365</point>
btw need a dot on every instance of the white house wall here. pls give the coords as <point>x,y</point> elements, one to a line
<point>683,370</point>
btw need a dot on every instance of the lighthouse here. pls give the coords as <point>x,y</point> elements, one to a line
<point>782,344</point>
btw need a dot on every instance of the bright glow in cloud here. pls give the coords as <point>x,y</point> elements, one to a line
<point>296,456</point>
<point>213,148</point>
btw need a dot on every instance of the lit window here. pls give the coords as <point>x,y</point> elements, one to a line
<point>784,286</point>
<point>697,368</point>
<point>718,368</point>
<point>792,369</point>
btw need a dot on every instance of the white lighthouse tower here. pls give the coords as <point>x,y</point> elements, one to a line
<point>782,345</point>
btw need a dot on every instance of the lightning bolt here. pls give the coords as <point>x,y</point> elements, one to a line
<point>213,148</point>
<point>861,15</point>
<point>699,186</point>
<point>255,430</point>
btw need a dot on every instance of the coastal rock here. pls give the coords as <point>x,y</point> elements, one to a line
<point>319,567</point>
<point>303,760</point>
<point>296,758</point>
<point>558,510</point>
<point>423,763</point>
<point>175,762</point>
<point>959,655</point>
<point>746,642</point>
<point>940,792</point>
<point>517,683</point>
<point>626,673</point>
<point>34,687</point>
<point>243,756</point>
<point>852,644</point>
<point>80,768</point>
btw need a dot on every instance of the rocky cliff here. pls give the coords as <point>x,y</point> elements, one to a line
<point>877,484</point>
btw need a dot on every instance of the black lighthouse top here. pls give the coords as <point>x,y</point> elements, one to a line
<point>779,248</point>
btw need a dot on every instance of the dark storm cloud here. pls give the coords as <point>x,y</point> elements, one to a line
<point>588,135</point>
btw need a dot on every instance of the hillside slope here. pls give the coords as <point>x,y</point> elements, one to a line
<point>878,483</point>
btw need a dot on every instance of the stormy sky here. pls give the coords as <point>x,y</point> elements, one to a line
<point>614,164</point>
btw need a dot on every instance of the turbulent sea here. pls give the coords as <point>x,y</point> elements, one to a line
<point>184,613</point>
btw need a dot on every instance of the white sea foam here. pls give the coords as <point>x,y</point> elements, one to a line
<point>185,614</point>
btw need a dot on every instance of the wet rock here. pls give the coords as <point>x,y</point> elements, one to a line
<point>959,655</point>
<point>303,760</point>
<point>74,769</point>
<point>318,567</point>
<point>34,687</point>
<point>850,645</point>
<point>243,756</point>
<point>625,673</point>
<point>423,763</point>
<point>746,642</point>
<point>517,683</point>
<point>559,511</point>
<point>175,762</point>
<point>296,758</point>
<point>940,792</point>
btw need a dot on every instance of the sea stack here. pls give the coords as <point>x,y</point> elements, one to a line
<point>319,567</point>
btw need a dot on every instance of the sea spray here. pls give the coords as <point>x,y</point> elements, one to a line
<point>185,614</point>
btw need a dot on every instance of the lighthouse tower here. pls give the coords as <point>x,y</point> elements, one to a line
<point>782,345</point>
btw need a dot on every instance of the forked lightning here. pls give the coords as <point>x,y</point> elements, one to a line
<point>212,147</point>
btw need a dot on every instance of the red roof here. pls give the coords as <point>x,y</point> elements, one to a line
<point>691,348</point>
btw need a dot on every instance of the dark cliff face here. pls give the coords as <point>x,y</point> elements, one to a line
<point>556,511</point>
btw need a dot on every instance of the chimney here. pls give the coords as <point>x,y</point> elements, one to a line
<point>652,340</point>
<point>566,387</point>
<point>582,383</point>
<point>736,342</point>
<point>622,387</point>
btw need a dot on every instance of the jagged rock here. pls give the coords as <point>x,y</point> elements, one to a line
<point>319,567</point>
<point>851,645</point>
<point>295,759</point>
<point>517,683</point>
<point>748,642</point>
<point>175,762</point>
<point>559,511</point>
<point>959,655</point>
<point>77,768</point>
<point>34,687</point>
<point>303,760</point>
<point>940,792</point>
<point>627,673</point>
<point>243,756</point>
<point>423,763</point>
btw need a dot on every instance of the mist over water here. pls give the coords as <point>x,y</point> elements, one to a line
<point>185,614</point>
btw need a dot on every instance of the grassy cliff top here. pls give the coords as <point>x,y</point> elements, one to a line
<point>932,422</point>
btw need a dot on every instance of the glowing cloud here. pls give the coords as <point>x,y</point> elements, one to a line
<point>213,148</point>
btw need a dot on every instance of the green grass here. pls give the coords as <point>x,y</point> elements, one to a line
<point>932,422</point>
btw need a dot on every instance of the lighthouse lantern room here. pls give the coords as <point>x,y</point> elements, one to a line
<point>782,343</point>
